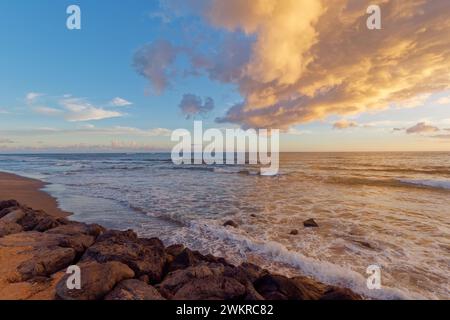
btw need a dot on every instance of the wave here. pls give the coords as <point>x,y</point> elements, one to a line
<point>434,184</point>
<point>439,184</point>
<point>322,271</point>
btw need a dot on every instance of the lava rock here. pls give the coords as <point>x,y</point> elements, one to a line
<point>97,280</point>
<point>310,223</point>
<point>134,290</point>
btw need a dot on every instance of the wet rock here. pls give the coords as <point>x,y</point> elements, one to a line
<point>46,261</point>
<point>134,290</point>
<point>7,228</point>
<point>143,256</point>
<point>309,288</point>
<point>294,232</point>
<point>97,280</point>
<point>231,223</point>
<point>335,293</point>
<point>310,223</point>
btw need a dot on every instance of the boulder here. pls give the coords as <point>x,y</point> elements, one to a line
<point>143,256</point>
<point>335,293</point>
<point>134,290</point>
<point>46,261</point>
<point>294,232</point>
<point>231,223</point>
<point>14,216</point>
<point>211,288</point>
<point>97,280</point>
<point>8,204</point>
<point>310,223</point>
<point>7,228</point>
<point>38,220</point>
<point>277,287</point>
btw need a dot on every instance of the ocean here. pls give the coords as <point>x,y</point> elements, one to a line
<point>385,209</point>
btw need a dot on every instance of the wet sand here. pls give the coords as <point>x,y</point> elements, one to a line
<point>28,192</point>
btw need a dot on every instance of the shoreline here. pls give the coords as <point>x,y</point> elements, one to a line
<point>36,246</point>
<point>29,192</point>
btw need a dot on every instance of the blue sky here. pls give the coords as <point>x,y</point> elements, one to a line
<point>49,75</point>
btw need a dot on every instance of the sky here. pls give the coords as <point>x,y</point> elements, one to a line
<point>137,70</point>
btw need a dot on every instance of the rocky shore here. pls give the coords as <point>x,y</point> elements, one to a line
<point>37,248</point>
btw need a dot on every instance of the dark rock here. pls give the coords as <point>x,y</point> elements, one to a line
<point>97,280</point>
<point>211,288</point>
<point>231,223</point>
<point>276,287</point>
<point>46,261</point>
<point>38,220</point>
<point>8,204</point>
<point>310,223</point>
<point>335,293</point>
<point>134,290</point>
<point>175,249</point>
<point>253,215</point>
<point>177,279</point>
<point>294,232</point>
<point>143,256</point>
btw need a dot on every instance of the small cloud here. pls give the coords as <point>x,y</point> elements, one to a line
<point>120,102</point>
<point>345,124</point>
<point>31,97</point>
<point>192,105</point>
<point>421,127</point>
<point>297,132</point>
<point>6,141</point>
<point>3,111</point>
<point>81,110</point>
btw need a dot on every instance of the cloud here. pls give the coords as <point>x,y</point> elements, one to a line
<point>420,128</point>
<point>313,59</point>
<point>80,110</point>
<point>154,62</point>
<point>120,102</point>
<point>344,124</point>
<point>48,111</point>
<point>442,136</point>
<point>3,111</point>
<point>6,141</point>
<point>192,105</point>
<point>31,97</point>
<point>443,100</point>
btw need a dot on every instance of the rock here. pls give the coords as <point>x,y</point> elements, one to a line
<point>134,290</point>
<point>38,220</point>
<point>211,288</point>
<point>335,293</point>
<point>231,223</point>
<point>309,288</point>
<point>7,228</point>
<point>253,215</point>
<point>310,223</point>
<point>46,261</point>
<point>276,287</point>
<point>14,216</point>
<point>294,232</point>
<point>97,280</point>
<point>175,249</point>
<point>143,256</point>
<point>8,204</point>
<point>177,279</point>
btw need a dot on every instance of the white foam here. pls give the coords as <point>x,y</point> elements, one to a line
<point>322,271</point>
<point>441,184</point>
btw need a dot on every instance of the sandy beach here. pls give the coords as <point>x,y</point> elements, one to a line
<point>28,192</point>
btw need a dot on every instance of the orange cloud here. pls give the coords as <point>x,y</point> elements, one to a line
<point>313,59</point>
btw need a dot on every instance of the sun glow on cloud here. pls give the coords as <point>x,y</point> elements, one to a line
<point>314,59</point>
